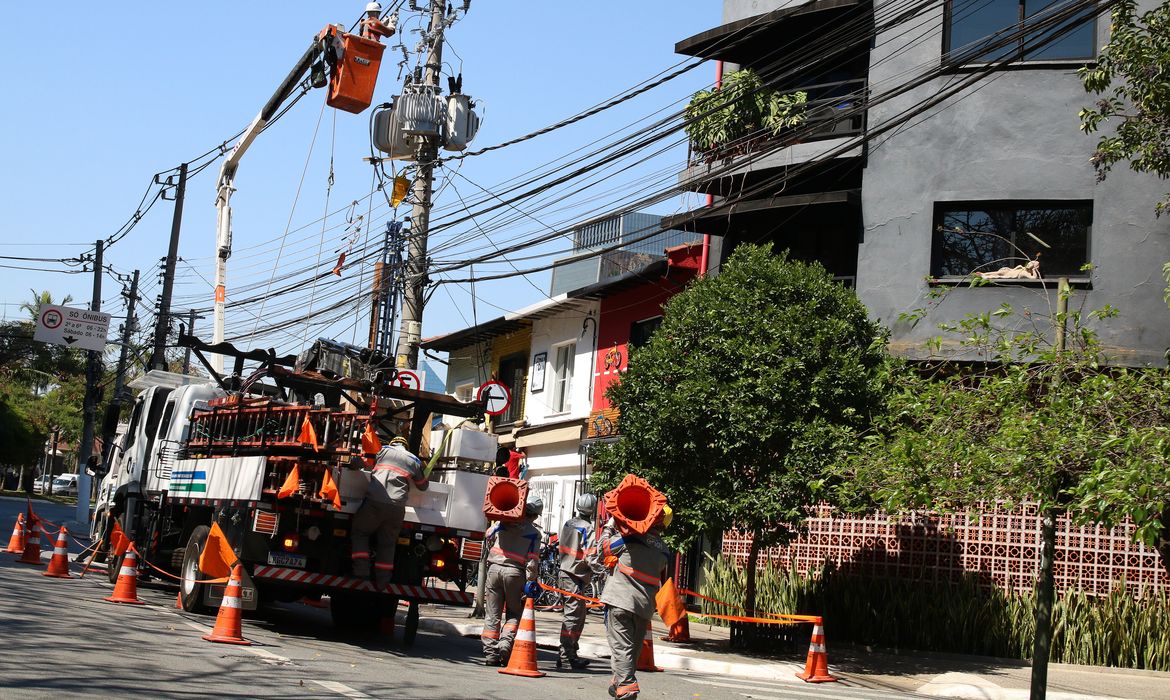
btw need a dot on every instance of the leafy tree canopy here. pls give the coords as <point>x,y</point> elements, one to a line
<point>755,384</point>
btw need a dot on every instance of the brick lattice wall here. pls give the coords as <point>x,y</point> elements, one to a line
<point>1000,545</point>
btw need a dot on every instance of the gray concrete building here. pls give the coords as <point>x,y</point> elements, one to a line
<point>900,188</point>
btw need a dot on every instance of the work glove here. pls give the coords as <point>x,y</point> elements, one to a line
<point>532,589</point>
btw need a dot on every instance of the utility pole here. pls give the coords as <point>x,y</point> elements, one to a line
<point>158,358</point>
<point>190,331</point>
<point>110,423</point>
<point>427,151</point>
<point>89,406</point>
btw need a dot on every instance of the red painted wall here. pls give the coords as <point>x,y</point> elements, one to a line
<point>638,303</point>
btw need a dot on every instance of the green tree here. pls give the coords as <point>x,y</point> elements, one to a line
<point>1041,419</point>
<point>756,383</point>
<point>1130,76</point>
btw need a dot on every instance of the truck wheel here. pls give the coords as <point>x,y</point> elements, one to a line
<point>411,628</point>
<point>355,614</point>
<point>190,591</point>
<point>114,567</point>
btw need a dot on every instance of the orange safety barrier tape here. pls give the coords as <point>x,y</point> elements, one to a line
<point>169,574</point>
<point>757,620</point>
<point>592,602</point>
<point>767,615</point>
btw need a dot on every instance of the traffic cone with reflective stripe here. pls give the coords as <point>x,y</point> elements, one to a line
<point>59,564</point>
<point>126,587</point>
<point>228,622</point>
<point>646,657</point>
<point>816,666</point>
<point>16,542</point>
<point>32,543</point>
<point>522,662</point>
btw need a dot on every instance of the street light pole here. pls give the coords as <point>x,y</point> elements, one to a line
<point>89,406</point>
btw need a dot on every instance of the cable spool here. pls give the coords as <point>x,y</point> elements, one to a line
<point>505,498</point>
<point>635,504</point>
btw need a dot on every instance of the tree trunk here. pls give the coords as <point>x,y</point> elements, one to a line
<point>749,593</point>
<point>1045,597</point>
<point>1164,540</point>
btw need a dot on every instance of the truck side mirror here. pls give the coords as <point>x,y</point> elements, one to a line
<point>95,468</point>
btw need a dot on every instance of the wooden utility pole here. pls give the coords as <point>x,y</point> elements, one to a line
<point>427,150</point>
<point>158,358</point>
<point>93,371</point>
<point>110,423</point>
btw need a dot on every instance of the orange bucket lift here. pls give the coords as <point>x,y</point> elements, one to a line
<point>355,72</point>
<point>635,504</point>
<point>505,498</point>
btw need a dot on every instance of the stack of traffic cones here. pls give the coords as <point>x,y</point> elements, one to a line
<point>816,666</point>
<point>228,622</point>
<point>522,662</point>
<point>646,657</point>
<point>32,543</point>
<point>16,542</point>
<point>126,587</point>
<point>59,564</point>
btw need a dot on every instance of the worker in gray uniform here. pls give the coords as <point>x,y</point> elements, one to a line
<point>383,510</point>
<point>639,568</point>
<point>579,563</point>
<point>513,554</point>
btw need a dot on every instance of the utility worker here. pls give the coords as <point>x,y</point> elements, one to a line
<point>381,514</point>
<point>637,574</point>
<point>579,563</point>
<point>513,554</point>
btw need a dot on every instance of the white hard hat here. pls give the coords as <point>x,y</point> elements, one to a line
<point>374,7</point>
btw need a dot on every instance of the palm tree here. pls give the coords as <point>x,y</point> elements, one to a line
<point>39,300</point>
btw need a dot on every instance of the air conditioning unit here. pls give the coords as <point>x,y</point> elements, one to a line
<point>388,136</point>
<point>462,123</point>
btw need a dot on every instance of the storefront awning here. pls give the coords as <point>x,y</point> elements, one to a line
<point>717,222</point>
<point>548,435</point>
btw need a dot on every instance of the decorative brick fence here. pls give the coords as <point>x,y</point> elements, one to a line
<point>1000,546</point>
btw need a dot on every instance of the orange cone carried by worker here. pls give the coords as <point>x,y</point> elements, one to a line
<point>635,505</point>
<point>59,564</point>
<point>504,499</point>
<point>646,658</point>
<point>228,622</point>
<point>16,542</point>
<point>522,662</point>
<point>126,587</point>
<point>32,543</point>
<point>816,666</point>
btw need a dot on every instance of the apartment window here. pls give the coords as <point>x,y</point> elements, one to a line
<point>983,31</point>
<point>513,371</point>
<point>640,331</point>
<point>985,236</point>
<point>563,377</point>
<point>465,393</point>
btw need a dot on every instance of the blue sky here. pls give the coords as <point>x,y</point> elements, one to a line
<point>105,95</point>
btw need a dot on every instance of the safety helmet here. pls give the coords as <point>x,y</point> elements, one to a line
<point>374,7</point>
<point>399,441</point>
<point>586,504</point>
<point>667,516</point>
<point>534,507</point>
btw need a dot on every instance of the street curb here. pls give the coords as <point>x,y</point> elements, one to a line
<point>665,656</point>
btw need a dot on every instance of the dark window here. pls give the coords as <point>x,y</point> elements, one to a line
<point>985,236</point>
<point>983,31</point>
<point>640,331</point>
<point>513,372</point>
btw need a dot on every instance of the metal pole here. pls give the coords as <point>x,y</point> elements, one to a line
<point>110,424</point>
<point>158,359</point>
<point>416,264</point>
<point>89,406</point>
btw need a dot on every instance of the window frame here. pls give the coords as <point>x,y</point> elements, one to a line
<point>1017,55</point>
<point>943,207</point>
<point>562,387</point>
<point>640,323</point>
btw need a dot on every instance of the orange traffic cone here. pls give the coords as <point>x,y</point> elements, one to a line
<point>522,662</point>
<point>816,666</point>
<point>59,564</point>
<point>646,657</point>
<point>16,542</point>
<point>126,587</point>
<point>228,623</point>
<point>680,632</point>
<point>32,543</point>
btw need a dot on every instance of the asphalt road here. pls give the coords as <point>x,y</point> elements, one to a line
<point>62,640</point>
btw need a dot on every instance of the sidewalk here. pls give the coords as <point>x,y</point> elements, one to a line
<point>937,675</point>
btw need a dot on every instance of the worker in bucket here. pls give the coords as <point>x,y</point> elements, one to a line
<point>578,564</point>
<point>513,554</point>
<point>639,568</point>
<point>383,510</point>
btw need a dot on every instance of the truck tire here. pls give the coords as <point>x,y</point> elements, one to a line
<point>353,614</point>
<point>114,567</point>
<point>190,591</point>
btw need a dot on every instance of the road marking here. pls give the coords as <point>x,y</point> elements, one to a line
<point>787,690</point>
<point>340,688</point>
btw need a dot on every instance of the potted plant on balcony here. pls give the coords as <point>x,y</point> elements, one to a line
<point>734,119</point>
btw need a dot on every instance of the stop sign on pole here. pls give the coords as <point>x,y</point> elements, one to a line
<point>496,397</point>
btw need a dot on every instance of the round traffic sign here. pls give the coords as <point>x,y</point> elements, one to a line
<point>496,397</point>
<point>51,318</point>
<point>408,379</point>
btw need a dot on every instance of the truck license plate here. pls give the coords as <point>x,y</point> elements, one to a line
<point>283,559</point>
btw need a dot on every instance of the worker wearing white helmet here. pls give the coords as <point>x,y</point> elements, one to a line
<point>513,554</point>
<point>579,563</point>
<point>382,512</point>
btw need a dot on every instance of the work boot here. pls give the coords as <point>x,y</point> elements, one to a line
<point>505,654</point>
<point>577,663</point>
<point>491,661</point>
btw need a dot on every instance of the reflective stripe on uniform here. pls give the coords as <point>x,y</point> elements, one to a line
<point>360,555</point>
<point>640,576</point>
<point>394,468</point>
<point>510,555</point>
<point>383,567</point>
<point>489,634</point>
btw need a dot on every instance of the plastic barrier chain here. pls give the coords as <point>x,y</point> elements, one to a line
<point>169,574</point>
<point>770,618</point>
<point>592,602</point>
